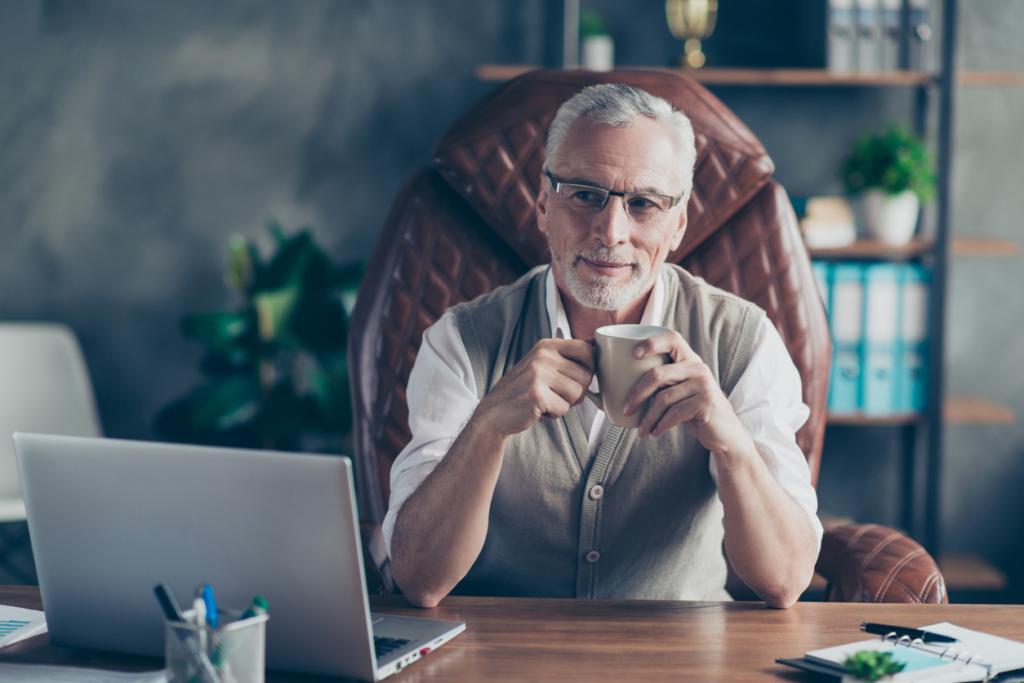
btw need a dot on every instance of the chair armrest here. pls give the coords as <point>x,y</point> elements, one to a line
<point>873,563</point>
<point>376,563</point>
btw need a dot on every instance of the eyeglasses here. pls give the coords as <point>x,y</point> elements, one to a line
<point>641,207</point>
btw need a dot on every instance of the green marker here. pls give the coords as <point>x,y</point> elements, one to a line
<point>221,651</point>
<point>259,606</point>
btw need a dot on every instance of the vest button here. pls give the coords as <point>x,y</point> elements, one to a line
<point>592,556</point>
<point>596,491</point>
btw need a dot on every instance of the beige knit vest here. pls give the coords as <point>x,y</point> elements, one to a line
<point>633,519</point>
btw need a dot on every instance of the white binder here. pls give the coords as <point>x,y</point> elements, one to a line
<point>842,36</point>
<point>891,32</point>
<point>921,51</point>
<point>869,35</point>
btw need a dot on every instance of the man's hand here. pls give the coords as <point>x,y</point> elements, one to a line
<point>551,379</point>
<point>684,392</point>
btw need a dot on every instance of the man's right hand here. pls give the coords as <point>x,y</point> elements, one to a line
<point>552,378</point>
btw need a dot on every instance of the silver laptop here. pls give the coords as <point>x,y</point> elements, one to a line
<point>109,519</point>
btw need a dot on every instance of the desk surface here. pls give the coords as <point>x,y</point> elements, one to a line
<point>527,639</point>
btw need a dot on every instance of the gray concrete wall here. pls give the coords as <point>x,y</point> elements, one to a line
<point>138,135</point>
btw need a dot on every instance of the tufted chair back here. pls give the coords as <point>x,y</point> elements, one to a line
<point>465,224</point>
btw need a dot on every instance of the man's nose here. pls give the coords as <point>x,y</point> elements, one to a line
<point>612,224</point>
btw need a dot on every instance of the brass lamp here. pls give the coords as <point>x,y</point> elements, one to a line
<point>691,21</point>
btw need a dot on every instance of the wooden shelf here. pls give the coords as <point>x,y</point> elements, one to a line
<point>983,246</point>
<point>997,78</point>
<point>502,72</point>
<point>865,420</point>
<point>964,410</point>
<point>874,249</point>
<point>754,77</point>
<point>970,573</point>
<point>976,410</point>
<point>810,77</point>
<point>792,77</point>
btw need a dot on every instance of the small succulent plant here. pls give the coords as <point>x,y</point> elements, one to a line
<point>871,665</point>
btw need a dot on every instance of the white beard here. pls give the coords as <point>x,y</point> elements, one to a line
<point>602,293</point>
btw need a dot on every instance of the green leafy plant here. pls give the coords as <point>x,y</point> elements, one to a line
<point>591,24</point>
<point>893,162</point>
<point>871,665</point>
<point>275,368</point>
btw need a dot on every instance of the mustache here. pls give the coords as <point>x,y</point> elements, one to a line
<point>604,255</point>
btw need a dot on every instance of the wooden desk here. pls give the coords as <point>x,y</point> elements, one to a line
<point>532,640</point>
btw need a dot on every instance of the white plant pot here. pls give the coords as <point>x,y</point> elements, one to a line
<point>890,218</point>
<point>598,53</point>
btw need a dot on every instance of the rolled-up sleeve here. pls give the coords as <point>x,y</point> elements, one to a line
<point>441,396</point>
<point>768,400</point>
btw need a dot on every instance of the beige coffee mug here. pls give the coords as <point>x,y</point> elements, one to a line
<point>618,369</point>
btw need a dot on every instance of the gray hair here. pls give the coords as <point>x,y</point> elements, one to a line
<point>619,105</point>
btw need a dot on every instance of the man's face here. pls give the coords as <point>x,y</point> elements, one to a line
<point>607,260</point>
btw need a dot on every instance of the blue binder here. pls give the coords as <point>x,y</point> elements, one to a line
<point>846,320</point>
<point>912,365</point>
<point>881,326</point>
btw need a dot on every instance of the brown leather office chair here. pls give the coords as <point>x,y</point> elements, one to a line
<point>465,225</point>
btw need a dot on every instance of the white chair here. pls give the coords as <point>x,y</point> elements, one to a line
<point>44,387</point>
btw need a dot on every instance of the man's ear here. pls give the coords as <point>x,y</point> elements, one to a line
<point>541,208</point>
<point>680,230</point>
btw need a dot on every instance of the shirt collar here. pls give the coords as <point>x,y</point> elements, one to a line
<point>559,321</point>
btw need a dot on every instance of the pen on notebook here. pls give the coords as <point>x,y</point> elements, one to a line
<point>912,633</point>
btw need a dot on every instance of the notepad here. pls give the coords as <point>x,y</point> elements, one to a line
<point>974,657</point>
<point>17,624</point>
<point>1001,653</point>
<point>920,665</point>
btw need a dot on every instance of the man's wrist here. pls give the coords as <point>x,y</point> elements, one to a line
<point>482,428</point>
<point>736,455</point>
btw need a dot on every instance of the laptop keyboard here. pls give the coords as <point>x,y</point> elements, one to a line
<point>385,646</point>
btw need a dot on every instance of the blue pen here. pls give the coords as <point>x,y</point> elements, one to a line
<point>212,618</point>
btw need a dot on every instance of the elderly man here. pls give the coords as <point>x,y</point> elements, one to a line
<point>514,483</point>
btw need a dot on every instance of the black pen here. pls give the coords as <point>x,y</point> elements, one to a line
<point>912,633</point>
<point>172,612</point>
<point>167,602</point>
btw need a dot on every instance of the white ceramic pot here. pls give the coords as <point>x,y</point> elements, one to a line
<point>891,219</point>
<point>598,53</point>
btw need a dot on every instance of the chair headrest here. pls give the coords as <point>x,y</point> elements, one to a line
<point>494,155</point>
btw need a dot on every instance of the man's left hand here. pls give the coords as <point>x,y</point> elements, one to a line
<point>684,391</point>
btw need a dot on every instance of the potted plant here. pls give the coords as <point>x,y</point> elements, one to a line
<point>890,174</point>
<point>598,49</point>
<point>275,368</point>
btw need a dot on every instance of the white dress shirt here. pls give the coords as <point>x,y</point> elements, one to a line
<point>442,396</point>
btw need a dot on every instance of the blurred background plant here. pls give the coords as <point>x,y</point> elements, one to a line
<point>592,24</point>
<point>893,161</point>
<point>275,369</point>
